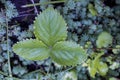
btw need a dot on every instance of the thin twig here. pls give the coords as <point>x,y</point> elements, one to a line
<point>101,48</point>
<point>9,64</point>
<point>49,67</point>
<point>26,15</point>
<point>43,3</point>
<point>34,6</point>
<point>26,11</point>
<point>65,70</point>
<point>3,73</point>
<point>39,70</point>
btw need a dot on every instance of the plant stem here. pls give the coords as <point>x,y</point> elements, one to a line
<point>3,73</point>
<point>34,6</point>
<point>65,70</point>
<point>43,3</point>
<point>9,66</point>
<point>101,48</point>
<point>39,70</point>
<point>27,11</point>
<point>49,67</point>
<point>26,15</point>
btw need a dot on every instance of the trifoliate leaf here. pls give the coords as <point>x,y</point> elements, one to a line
<point>32,49</point>
<point>50,27</point>
<point>104,40</point>
<point>51,31</point>
<point>68,53</point>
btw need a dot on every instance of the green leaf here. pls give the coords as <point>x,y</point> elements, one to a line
<point>92,71</point>
<point>116,50</point>
<point>102,68</point>
<point>51,31</point>
<point>31,49</point>
<point>68,53</point>
<point>112,78</point>
<point>93,67</point>
<point>104,40</point>
<point>97,59</point>
<point>94,64</point>
<point>50,27</point>
<point>98,66</point>
<point>92,9</point>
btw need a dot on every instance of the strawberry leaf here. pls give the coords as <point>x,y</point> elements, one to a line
<point>32,49</point>
<point>50,27</point>
<point>68,53</point>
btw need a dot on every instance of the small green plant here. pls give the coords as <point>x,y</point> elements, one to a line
<point>95,63</point>
<point>51,31</point>
<point>97,66</point>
